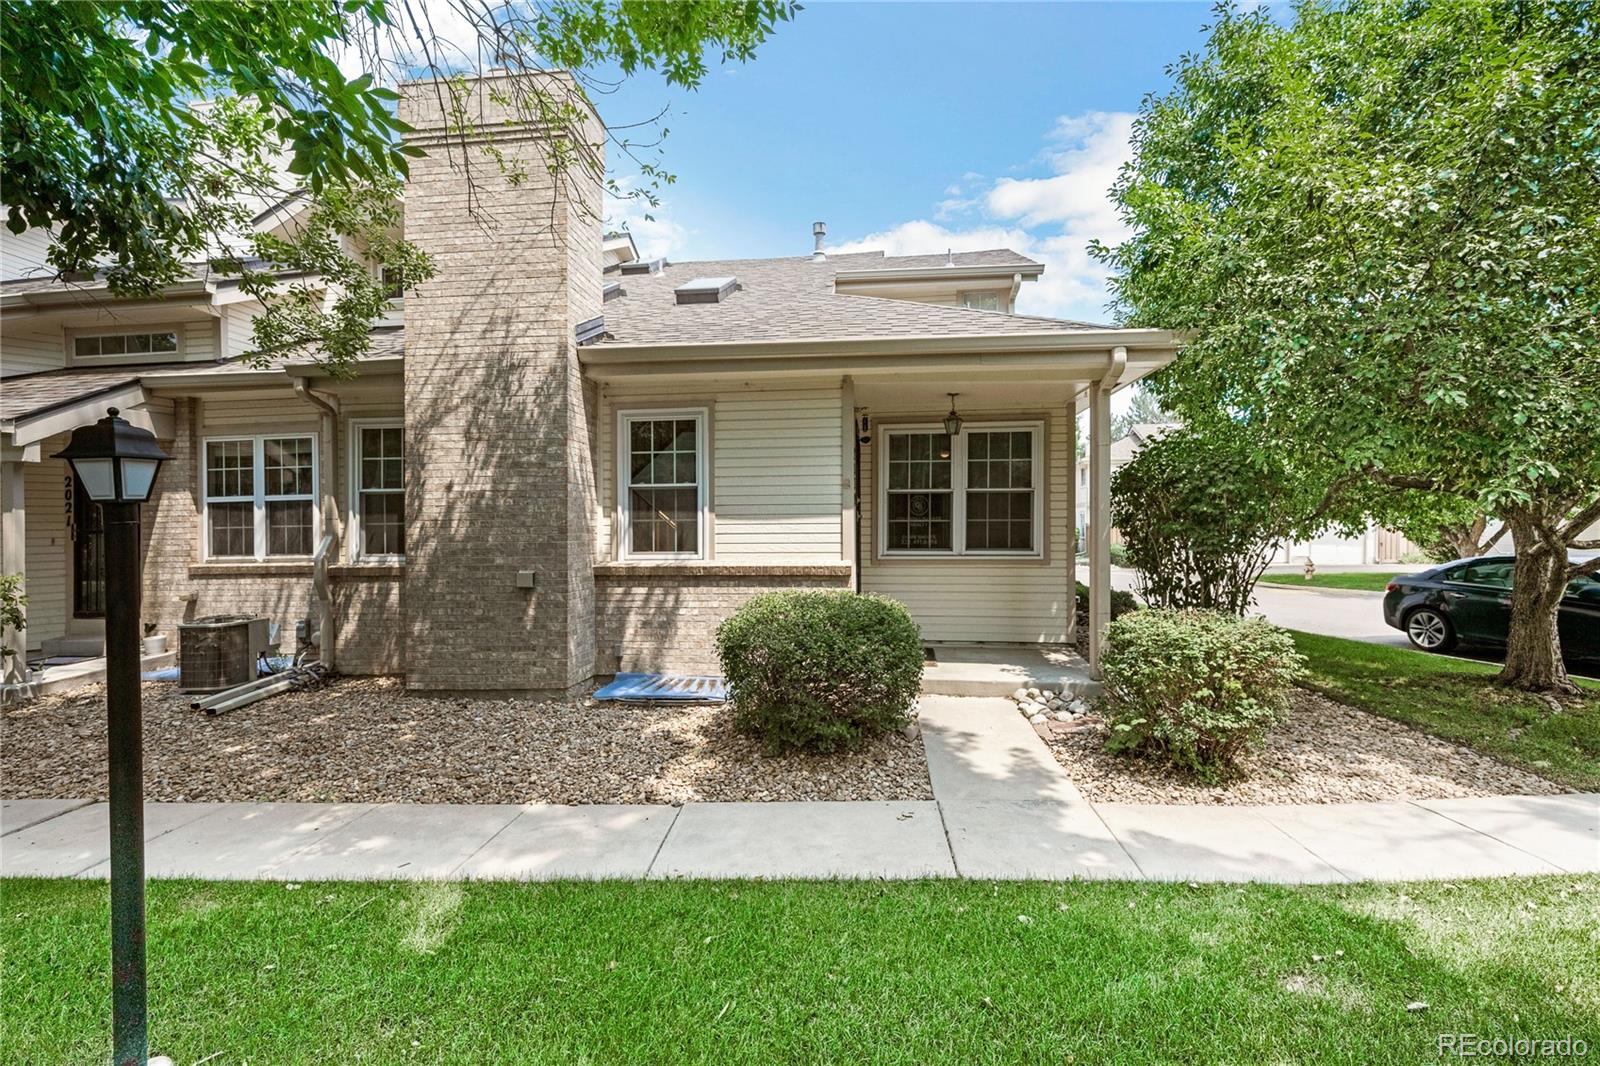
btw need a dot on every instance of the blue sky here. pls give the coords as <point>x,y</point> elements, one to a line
<point>914,127</point>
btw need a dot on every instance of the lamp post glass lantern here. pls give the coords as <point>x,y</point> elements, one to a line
<point>117,464</point>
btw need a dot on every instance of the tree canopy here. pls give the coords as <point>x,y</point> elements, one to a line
<point>1379,222</point>
<point>110,142</point>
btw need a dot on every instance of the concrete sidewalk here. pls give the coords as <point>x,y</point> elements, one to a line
<point>975,836</point>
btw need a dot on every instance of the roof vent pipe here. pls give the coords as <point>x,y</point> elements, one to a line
<point>819,230</point>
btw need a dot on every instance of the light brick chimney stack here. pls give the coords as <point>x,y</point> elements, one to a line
<point>499,422</point>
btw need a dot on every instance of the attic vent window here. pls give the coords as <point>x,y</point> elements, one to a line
<point>705,290</point>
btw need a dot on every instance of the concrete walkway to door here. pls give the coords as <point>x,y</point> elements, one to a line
<point>1002,809</point>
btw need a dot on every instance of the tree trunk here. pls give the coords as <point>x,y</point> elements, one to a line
<point>1533,646</point>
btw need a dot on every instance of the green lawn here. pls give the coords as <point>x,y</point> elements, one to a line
<point>1457,699</point>
<point>1367,582</point>
<point>806,972</point>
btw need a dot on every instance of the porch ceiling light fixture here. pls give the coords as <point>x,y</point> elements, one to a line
<point>952,421</point>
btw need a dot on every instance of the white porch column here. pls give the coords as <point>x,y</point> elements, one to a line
<point>1100,505</point>
<point>847,478</point>
<point>14,554</point>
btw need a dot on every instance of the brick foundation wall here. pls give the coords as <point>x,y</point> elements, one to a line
<point>664,619</point>
<point>368,604</point>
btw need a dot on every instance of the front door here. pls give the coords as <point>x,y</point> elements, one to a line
<point>88,556</point>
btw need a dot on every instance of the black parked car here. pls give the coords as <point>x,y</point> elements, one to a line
<point>1469,602</point>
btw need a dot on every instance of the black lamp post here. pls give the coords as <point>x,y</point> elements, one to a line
<point>116,463</point>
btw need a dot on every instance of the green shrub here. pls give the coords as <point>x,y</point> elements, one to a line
<point>1197,688</point>
<point>1122,601</point>
<point>1201,511</point>
<point>820,669</point>
<point>1119,555</point>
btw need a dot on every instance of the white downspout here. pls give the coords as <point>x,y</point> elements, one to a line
<point>327,628</point>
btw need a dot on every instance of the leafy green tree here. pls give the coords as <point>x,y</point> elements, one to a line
<point>107,141</point>
<point>1380,224</point>
<point>1201,513</point>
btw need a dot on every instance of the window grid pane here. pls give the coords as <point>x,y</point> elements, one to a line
<point>920,498</point>
<point>999,517</point>
<point>663,486</point>
<point>383,523</point>
<point>287,466</point>
<point>289,527</point>
<point>230,469</point>
<point>233,529</point>
<point>382,491</point>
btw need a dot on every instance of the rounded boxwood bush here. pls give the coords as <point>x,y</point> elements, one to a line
<point>820,669</point>
<point>1197,688</point>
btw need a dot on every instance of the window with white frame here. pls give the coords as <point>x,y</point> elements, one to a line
<point>260,497</point>
<point>121,345</point>
<point>662,483</point>
<point>981,301</point>
<point>378,510</point>
<point>976,493</point>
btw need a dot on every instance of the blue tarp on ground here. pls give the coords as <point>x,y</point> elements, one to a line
<point>698,689</point>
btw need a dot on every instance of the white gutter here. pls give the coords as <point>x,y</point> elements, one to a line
<point>1154,341</point>
<point>940,273</point>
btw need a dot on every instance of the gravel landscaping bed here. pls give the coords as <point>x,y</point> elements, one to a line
<point>1324,752</point>
<point>365,740</point>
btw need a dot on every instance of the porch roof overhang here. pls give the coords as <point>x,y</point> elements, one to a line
<point>1080,355</point>
<point>23,429</point>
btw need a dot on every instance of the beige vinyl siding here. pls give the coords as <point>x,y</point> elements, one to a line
<point>982,599</point>
<point>48,546</point>
<point>199,340</point>
<point>24,351</point>
<point>236,327</point>
<point>22,255</point>
<point>256,415</point>
<point>776,467</point>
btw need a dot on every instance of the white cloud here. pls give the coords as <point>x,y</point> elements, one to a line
<point>655,236</point>
<point>1051,219</point>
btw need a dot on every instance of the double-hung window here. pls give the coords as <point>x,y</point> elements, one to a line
<point>260,497</point>
<point>378,506</point>
<point>662,462</point>
<point>979,492</point>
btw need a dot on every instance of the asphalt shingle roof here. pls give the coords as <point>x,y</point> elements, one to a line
<point>794,299</point>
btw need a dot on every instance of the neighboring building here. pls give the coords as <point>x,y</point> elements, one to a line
<point>560,461</point>
<point>1373,545</point>
<point>1123,449</point>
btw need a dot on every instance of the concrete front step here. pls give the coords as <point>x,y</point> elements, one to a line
<point>999,670</point>
<point>54,679</point>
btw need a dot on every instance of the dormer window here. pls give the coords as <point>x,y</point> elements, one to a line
<point>981,301</point>
<point>394,286</point>
<point>121,345</point>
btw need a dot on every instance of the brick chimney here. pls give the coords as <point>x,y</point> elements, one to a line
<point>500,488</point>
